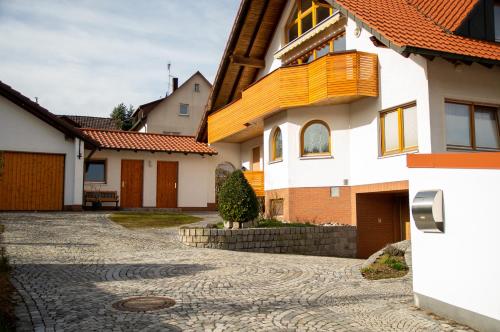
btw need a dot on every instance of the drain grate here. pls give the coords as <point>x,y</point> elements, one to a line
<point>142,304</point>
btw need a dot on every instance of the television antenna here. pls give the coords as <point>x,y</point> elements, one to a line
<point>169,65</point>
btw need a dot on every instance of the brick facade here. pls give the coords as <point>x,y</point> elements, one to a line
<point>316,205</point>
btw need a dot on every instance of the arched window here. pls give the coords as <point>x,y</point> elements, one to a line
<point>277,145</point>
<point>315,139</point>
<point>306,15</point>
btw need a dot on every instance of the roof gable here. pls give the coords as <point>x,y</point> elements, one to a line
<point>149,107</point>
<point>43,114</point>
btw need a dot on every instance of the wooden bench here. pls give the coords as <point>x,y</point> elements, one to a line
<point>101,196</point>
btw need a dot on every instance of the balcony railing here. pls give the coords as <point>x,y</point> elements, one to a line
<point>336,78</point>
<point>256,180</point>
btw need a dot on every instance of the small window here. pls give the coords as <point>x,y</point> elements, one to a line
<point>196,87</point>
<point>95,171</point>
<point>471,127</point>
<point>277,146</point>
<point>184,110</point>
<point>315,139</point>
<point>399,130</point>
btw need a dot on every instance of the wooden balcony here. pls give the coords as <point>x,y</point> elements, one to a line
<point>256,180</point>
<point>337,78</point>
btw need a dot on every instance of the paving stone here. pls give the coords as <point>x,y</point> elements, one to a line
<point>70,268</point>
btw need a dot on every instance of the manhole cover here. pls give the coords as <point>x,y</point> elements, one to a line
<point>140,304</point>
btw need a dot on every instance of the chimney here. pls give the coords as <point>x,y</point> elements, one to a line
<point>175,84</point>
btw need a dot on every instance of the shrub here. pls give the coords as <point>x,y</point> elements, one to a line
<point>237,201</point>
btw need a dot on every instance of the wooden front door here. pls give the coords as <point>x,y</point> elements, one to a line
<point>166,184</point>
<point>31,181</point>
<point>132,184</point>
<point>256,159</point>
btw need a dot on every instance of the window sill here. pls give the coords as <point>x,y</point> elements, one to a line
<point>398,154</point>
<point>460,149</point>
<point>184,115</point>
<point>276,161</point>
<point>316,157</point>
<point>90,182</point>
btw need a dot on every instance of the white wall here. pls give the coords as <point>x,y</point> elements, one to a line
<point>165,116</point>
<point>196,185</point>
<point>246,152</point>
<point>21,131</point>
<point>296,171</point>
<point>474,83</point>
<point>460,266</point>
<point>402,80</point>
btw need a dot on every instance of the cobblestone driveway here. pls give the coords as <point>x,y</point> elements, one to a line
<point>71,268</point>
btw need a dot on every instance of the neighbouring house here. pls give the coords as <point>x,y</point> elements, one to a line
<point>328,98</point>
<point>152,170</point>
<point>179,113</point>
<point>93,122</point>
<point>41,157</point>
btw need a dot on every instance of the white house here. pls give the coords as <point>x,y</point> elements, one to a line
<point>41,157</point>
<point>327,98</point>
<point>153,170</point>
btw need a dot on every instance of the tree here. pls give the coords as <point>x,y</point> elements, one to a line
<point>237,201</point>
<point>123,116</point>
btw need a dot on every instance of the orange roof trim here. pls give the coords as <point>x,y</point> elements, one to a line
<point>128,140</point>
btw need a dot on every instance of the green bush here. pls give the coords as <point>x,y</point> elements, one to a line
<point>237,201</point>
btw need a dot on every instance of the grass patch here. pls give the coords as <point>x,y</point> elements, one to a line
<point>7,314</point>
<point>136,220</point>
<point>385,267</point>
<point>272,223</point>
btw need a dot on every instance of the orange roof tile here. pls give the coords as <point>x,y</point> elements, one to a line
<point>448,14</point>
<point>400,22</point>
<point>129,140</point>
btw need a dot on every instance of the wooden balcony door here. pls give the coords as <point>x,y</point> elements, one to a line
<point>132,183</point>
<point>256,159</point>
<point>166,184</point>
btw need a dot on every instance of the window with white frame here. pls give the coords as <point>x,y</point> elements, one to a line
<point>196,87</point>
<point>184,110</point>
<point>471,126</point>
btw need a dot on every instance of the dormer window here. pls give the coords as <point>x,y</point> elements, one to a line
<point>306,15</point>
<point>497,20</point>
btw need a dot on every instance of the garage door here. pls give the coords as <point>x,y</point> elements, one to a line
<point>377,222</point>
<point>31,181</point>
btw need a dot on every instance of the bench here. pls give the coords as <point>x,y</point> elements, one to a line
<point>101,197</point>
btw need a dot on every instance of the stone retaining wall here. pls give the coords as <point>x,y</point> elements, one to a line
<point>339,241</point>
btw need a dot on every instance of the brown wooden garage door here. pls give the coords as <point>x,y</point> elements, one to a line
<point>31,181</point>
<point>377,222</point>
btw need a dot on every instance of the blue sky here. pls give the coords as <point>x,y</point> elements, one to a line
<point>84,57</point>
